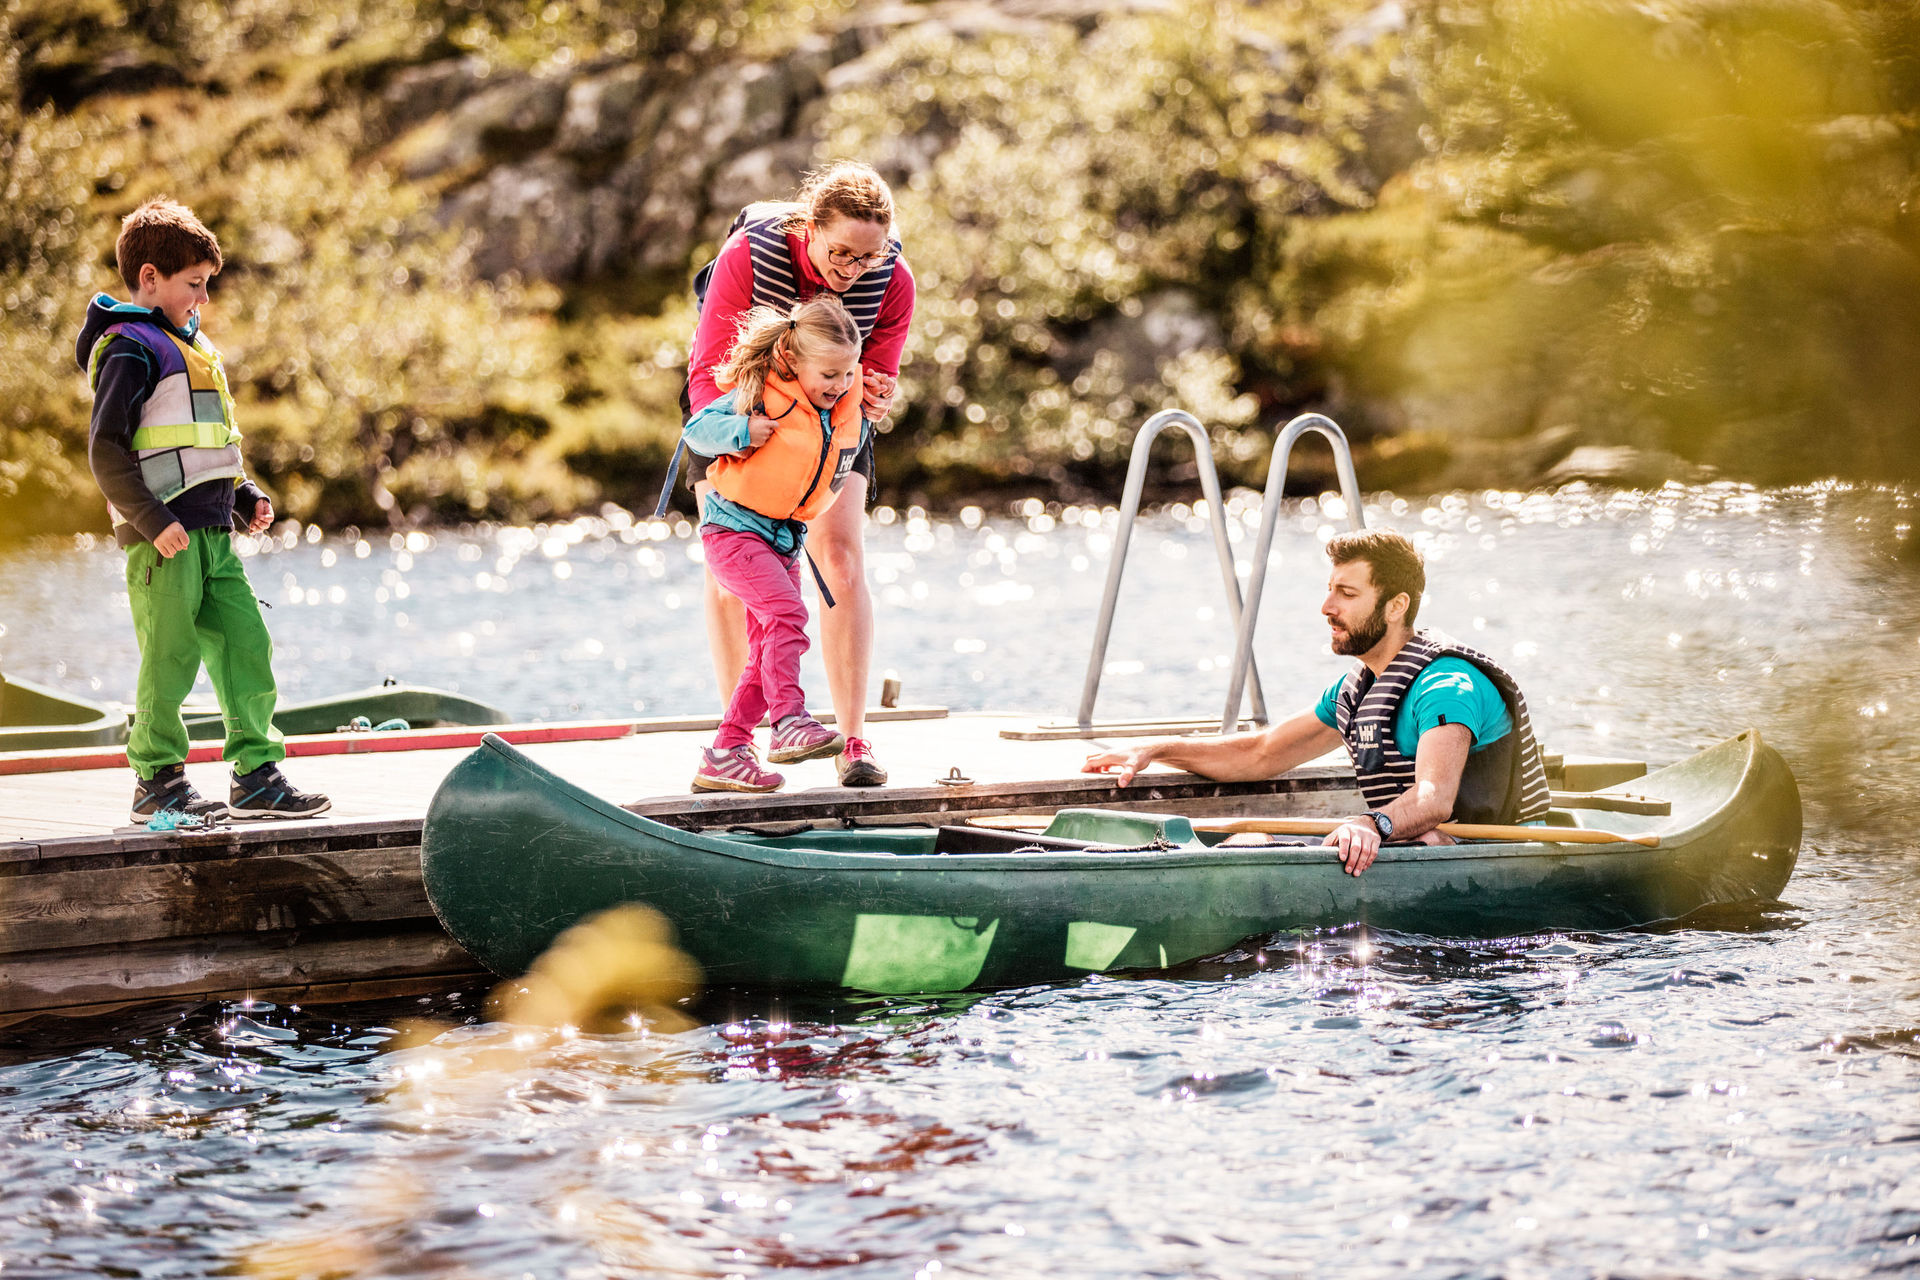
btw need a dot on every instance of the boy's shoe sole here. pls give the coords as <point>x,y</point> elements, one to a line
<point>258,815</point>
<point>703,783</point>
<point>183,799</point>
<point>794,755</point>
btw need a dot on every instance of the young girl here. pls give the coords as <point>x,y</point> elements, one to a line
<point>782,444</point>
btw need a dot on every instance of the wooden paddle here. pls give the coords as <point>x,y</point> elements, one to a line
<point>1325,826</point>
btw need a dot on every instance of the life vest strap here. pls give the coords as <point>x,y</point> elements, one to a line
<point>825,595</point>
<point>666,490</point>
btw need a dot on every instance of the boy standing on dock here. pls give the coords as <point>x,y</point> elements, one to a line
<point>164,449</point>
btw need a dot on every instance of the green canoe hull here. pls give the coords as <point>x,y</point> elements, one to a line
<point>419,706</point>
<point>512,855</point>
<point>36,718</point>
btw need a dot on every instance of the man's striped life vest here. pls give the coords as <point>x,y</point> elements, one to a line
<point>186,434</point>
<point>797,472</point>
<point>1506,782</point>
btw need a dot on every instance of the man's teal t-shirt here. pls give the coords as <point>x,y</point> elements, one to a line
<point>1450,691</point>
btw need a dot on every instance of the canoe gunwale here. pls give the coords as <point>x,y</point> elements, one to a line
<point>860,862</point>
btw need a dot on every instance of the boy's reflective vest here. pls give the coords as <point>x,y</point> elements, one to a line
<point>797,472</point>
<point>186,434</point>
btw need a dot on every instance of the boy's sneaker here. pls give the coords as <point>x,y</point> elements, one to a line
<point>857,766</point>
<point>168,791</point>
<point>801,737</point>
<point>266,793</point>
<point>735,769</point>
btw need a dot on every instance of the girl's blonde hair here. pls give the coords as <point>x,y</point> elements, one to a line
<point>770,340</point>
<point>844,189</point>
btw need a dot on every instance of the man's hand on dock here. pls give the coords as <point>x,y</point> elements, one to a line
<point>1123,763</point>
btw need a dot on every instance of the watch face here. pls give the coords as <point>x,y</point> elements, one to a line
<point>1382,823</point>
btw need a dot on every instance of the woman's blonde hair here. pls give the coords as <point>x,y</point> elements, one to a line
<point>770,340</point>
<point>845,189</point>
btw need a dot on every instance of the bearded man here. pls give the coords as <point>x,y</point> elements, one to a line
<point>1473,759</point>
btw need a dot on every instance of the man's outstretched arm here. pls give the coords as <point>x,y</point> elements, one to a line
<point>1241,758</point>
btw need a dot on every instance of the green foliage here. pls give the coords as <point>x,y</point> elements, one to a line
<point>377,379</point>
<point>1688,227</point>
<point>358,343</point>
<point>1075,180</point>
<point>78,47</point>
<point>1477,233</point>
<point>370,358</point>
<point>43,266</point>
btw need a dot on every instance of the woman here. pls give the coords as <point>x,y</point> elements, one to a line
<point>836,235</point>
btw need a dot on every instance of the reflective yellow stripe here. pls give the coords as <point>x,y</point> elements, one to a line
<point>190,435</point>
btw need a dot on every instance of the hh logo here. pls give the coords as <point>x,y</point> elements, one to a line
<point>841,467</point>
<point>1369,735</point>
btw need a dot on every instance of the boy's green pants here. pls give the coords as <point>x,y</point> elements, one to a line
<point>199,607</point>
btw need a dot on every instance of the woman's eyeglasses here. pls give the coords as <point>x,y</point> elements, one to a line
<point>844,258</point>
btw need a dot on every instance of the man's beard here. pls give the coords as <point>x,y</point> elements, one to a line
<point>1365,636</point>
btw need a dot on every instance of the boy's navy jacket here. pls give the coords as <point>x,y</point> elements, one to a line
<point>128,376</point>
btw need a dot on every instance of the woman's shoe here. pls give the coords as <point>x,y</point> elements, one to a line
<point>857,766</point>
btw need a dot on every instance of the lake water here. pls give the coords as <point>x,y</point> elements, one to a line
<point>1734,1098</point>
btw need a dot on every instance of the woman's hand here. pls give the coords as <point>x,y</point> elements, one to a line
<point>759,430</point>
<point>876,394</point>
<point>262,516</point>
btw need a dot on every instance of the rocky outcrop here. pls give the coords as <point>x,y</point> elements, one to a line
<point>621,168</point>
<point>535,217</point>
<point>500,122</point>
<point>1626,467</point>
<point>610,170</point>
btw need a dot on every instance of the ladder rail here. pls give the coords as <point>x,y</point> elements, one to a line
<point>1249,616</point>
<point>1116,567</point>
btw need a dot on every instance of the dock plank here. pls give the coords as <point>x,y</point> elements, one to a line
<point>259,894</point>
<point>232,967</point>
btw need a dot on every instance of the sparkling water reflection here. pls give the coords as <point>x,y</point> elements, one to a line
<point>1729,1098</point>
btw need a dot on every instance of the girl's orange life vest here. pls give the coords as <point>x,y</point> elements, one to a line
<point>796,474</point>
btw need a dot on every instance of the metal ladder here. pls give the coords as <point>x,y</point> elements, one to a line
<point>1245,675</point>
<point>1129,510</point>
<point>1249,616</point>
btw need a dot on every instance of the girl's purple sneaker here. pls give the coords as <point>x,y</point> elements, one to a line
<point>736,769</point>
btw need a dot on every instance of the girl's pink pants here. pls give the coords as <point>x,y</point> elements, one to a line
<point>768,584</point>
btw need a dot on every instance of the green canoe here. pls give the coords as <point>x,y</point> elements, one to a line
<point>36,718</point>
<point>421,707</point>
<point>512,855</point>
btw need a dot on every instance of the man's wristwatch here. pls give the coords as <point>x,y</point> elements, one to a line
<point>1381,823</point>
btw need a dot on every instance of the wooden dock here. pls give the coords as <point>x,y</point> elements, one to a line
<point>95,914</point>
